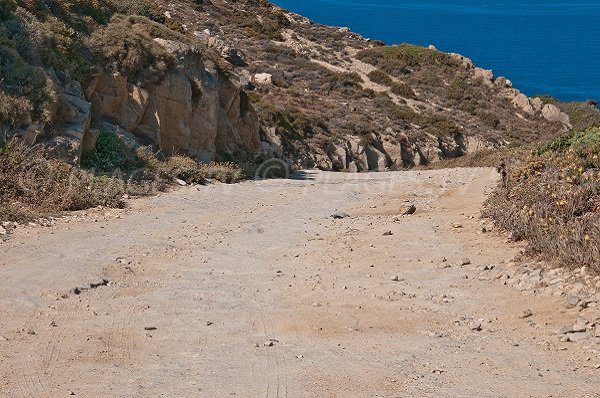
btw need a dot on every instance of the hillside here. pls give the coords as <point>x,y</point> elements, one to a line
<point>245,79</point>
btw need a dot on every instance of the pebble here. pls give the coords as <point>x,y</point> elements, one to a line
<point>149,327</point>
<point>526,314</point>
<point>457,225</point>
<point>2,231</point>
<point>572,301</point>
<point>339,215</point>
<point>388,233</point>
<point>408,209</point>
<point>465,261</point>
<point>208,323</point>
<point>268,343</point>
<point>476,326</point>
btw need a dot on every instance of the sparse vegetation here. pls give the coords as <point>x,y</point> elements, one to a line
<point>125,45</point>
<point>553,200</point>
<point>33,185</point>
<point>399,60</point>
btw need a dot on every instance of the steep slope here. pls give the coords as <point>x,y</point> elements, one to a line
<point>332,99</point>
<point>188,76</point>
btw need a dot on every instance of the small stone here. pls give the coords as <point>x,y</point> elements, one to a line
<point>566,329</point>
<point>208,323</point>
<point>76,290</point>
<point>180,182</point>
<point>526,314</point>
<point>572,302</point>
<point>315,304</point>
<point>579,328</point>
<point>457,225</point>
<point>149,327</point>
<point>487,267</point>
<point>465,261</point>
<point>268,343</point>
<point>395,279</point>
<point>388,233</point>
<point>2,231</point>
<point>339,215</point>
<point>475,326</point>
<point>408,209</point>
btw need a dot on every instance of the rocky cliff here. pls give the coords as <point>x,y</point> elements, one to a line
<point>246,79</point>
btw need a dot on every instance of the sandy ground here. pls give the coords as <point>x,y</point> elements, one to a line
<point>252,290</point>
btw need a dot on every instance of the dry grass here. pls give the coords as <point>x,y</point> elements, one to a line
<point>34,185</point>
<point>552,200</point>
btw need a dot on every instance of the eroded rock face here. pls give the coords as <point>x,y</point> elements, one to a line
<point>377,152</point>
<point>194,109</point>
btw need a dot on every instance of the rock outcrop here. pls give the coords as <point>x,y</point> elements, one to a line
<point>194,109</point>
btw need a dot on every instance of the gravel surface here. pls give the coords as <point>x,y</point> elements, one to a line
<point>255,290</point>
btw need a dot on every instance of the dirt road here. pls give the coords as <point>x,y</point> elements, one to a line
<point>252,290</point>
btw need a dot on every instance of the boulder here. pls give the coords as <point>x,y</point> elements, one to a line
<point>537,104</point>
<point>522,102</point>
<point>503,82</point>
<point>263,78</point>
<point>553,114</point>
<point>486,75</point>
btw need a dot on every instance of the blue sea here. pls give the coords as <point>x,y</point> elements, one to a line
<point>542,46</point>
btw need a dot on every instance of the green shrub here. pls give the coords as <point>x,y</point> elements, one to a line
<point>7,7</point>
<point>110,154</point>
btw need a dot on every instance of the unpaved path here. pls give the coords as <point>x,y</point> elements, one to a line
<point>200,279</point>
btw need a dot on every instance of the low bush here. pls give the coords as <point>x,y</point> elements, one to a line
<point>110,154</point>
<point>403,90</point>
<point>380,77</point>
<point>552,200</point>
<point>125,45</point>
<point>33,185</point>
<point>398,60</point>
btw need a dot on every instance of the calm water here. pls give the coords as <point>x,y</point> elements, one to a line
<point>543,46</point>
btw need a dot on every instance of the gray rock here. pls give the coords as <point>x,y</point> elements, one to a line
<point>572,301</point>
<point>566,329</point>
<point>339,215</point>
